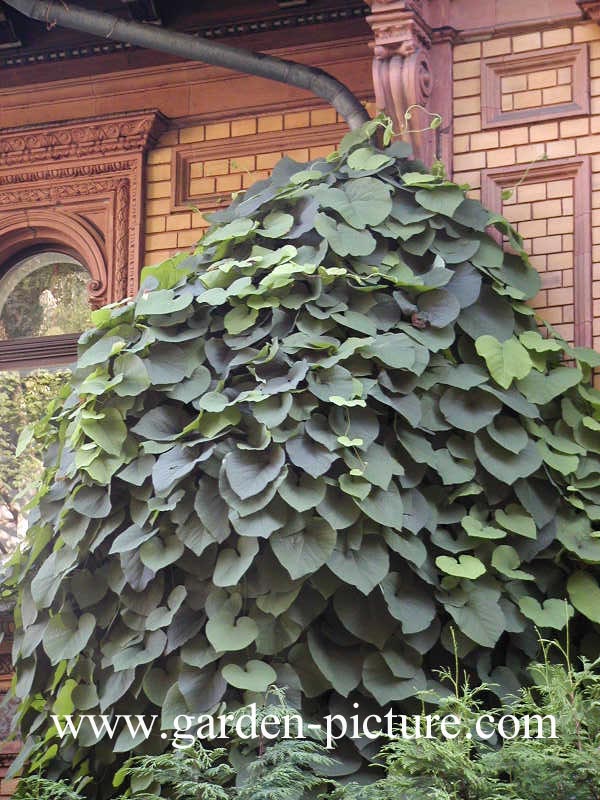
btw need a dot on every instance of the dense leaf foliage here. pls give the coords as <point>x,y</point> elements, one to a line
<point>23,399</point>
<point>301,455</point>
<point>561,764</point>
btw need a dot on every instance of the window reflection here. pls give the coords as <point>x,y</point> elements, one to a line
<point>44,295</point>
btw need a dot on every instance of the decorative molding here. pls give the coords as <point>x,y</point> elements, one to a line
<point>34,226</point>
<point>590,9</point>
<point>579,170</point>
<point>240,28</point>
<point>78,186</point>
<point>99,136</point>
<point>494,70</point>
<point>43,352</point>
<point>184,156</point>
<point>402,73</point>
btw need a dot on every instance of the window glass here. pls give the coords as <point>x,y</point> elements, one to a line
<point>44,295</point>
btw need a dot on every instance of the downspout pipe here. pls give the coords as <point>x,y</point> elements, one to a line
<point>194,48</point>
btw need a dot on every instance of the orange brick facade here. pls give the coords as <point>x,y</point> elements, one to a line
<point>199,168</point>
<point>542,135</point>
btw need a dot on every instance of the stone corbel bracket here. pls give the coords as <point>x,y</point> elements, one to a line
<point>412,65</point>
<point>401,66</point>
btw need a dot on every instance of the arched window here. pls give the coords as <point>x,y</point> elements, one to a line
<point>45,294</point>
<point>44,306</point>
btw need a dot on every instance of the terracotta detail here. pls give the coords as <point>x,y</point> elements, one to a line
<point>403,74</point>
<point>24,229</point>
<point>95,137</point>
<point>78,186</point>
<point>579,170</point>
<point>494,70</point>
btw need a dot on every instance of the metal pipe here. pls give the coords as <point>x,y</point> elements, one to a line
<point>193,48</point>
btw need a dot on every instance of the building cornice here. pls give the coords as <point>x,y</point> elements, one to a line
<point>299,18</point>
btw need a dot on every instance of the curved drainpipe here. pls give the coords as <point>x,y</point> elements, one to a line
<point>194,48</point>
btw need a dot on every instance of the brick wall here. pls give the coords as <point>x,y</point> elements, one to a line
<point>196,169</point>
<point>534,99</point>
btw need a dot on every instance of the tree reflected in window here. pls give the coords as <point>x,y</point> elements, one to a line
<point>44,295</point>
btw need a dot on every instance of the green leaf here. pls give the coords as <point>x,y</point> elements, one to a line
<point>584,593</point>
<point>233,564</point>
<point>304,552</point>
<point>463,567</point>
<point>362,202</point>
<point>363,568</point>
<point>490,315</point>
<point>552,614</point>
<point>230,635</point>
<point>504,465</point>
<point>541,389</point>
<point>240,319</point>
<point>408,601</point>
<point>276,224</point>
<point>100,352</point>
<point>364,159</point>
<point>249,472</point>
<point>505,559</point>
<point>341,666</point>
<point>505,360</point>
<point>161,301</point>
<point>508,433</point>
<point>477,613</point>
<point>515,519</point>
<point>469,410</point>
<point>171,467</point>
<point>66,636</point>
<point>438,307</point>
<point>256,676</point>
<point>158,553</point>
<point>130,539</point>
<point>343,239</point>
<point>533,340</point>
<point>386,508</point>
<point>440,199</point>
<point>478,530</point>
<point>385,687</point>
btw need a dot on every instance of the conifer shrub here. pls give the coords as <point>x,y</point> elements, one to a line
<point>300,456</point>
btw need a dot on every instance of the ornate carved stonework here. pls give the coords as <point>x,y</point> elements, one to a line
<point>78,185</point>
<point>125,133</point>
<point>401,66</point>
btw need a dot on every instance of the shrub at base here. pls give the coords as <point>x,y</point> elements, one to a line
<point>301,456</point>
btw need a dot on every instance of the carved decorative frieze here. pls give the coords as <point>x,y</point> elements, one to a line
<point>78,185</point>
<point>125,133</point>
